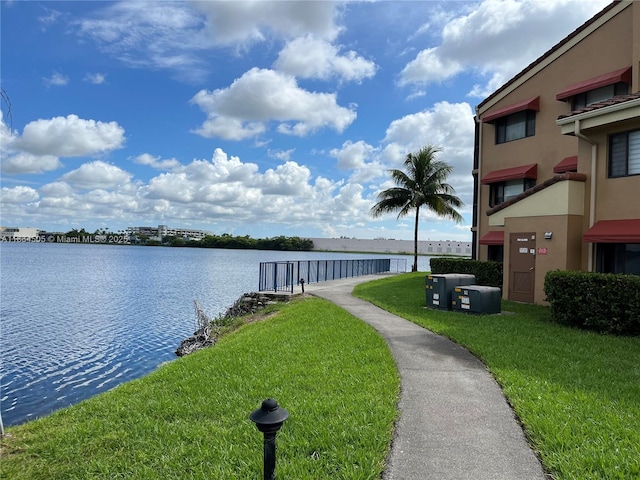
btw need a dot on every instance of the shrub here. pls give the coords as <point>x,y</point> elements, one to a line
<point>603,302</point>
<point>487,273</point>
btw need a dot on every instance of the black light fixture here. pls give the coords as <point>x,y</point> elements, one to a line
<point>269,419</point>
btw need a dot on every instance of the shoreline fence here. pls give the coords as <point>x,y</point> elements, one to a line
<point>283,276</point>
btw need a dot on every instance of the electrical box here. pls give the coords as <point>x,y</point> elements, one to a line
<point>440,287</point>
<point>477,299</point>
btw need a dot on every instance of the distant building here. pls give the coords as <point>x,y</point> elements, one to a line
<point>378,245</point>
<point>557,159</point>
<point>16,233</point>
<point>156,233</point>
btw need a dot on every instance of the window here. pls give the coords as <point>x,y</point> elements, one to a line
<point>618,258</point>
<point>495,253</point>
<point>599,94</point>
<point>624,154</point>
<point>515,126</point>
<point>502,191</point>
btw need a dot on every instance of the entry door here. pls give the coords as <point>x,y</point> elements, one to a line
<point>522,264</point>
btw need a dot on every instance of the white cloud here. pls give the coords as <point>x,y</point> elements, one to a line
<point>429,67</point>
<point>174,35</point>
<point>349,204</point>
<point>7,137</point>
<point>56,80</point>
<point>481,91</point>
<point>19,194</point>
<point>497,39</point>
<point>95,78</point>
<point>223,179</point>
<point>309,57</point>
<point>353,155</point>
<point>57,190</point>
<point>97,174</point>
<point>361,159</point>
<point>447,125</point>
<point>28,163</point>
<point>50,18</point>
<point>157,162</point>
<point>287,179</point>
<point>284,155</point>
<point>227,128</point>
<point>227,190</point>
<point>241,22</point>
<point>69,136</point>
<point>243,109</point>
<point>224,193</point>
<point>368,172</point>
<point>149,34</point>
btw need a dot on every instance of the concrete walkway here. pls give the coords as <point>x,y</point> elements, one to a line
<point>454,420</point>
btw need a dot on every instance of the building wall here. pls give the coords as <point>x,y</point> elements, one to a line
<point>609,43</point>
<point>164,230</point>
<point>605,50</point>
<point>392,246</point>
<point>18,232</point>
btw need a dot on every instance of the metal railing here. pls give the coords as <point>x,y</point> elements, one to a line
<point>283,276</point>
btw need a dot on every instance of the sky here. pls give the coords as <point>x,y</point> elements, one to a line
<point>259,118</point>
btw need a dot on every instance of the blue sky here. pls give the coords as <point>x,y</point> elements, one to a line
<point>257,118</point>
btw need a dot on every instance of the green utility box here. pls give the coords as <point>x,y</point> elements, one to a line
<point>477,299</point>
<point>440,287</point>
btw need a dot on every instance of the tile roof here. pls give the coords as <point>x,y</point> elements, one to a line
<point>605,103</point>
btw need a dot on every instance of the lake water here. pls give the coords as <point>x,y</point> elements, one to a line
<point>76,320</point>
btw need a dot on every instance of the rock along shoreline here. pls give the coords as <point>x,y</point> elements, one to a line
<point>246,304</point>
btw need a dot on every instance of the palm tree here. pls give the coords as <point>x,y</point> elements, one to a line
<point>422,185</point>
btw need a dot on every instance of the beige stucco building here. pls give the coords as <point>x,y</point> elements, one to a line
<point>557,159</point>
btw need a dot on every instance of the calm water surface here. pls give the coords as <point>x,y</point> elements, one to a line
<point>76,320</point>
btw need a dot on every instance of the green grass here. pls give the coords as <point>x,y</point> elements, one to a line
<point>189,419</point>
<point>577,393</point>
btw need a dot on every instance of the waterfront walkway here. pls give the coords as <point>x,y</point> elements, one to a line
<point>455,423</point>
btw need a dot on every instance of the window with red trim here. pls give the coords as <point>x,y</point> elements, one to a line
<point>500,192</point>
<point>596,95</point>
<point>515,126</point>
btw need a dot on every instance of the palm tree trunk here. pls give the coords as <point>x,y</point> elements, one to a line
<point>415,243</point>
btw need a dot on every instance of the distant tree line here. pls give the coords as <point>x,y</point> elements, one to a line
<point>245,242</point>
<point>208,241</point>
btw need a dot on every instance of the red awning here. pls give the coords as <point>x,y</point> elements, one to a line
<point>523,171</point>
<point>569,164</point>
<point>622,75</point>
<point>492,238</point>
<point>614,231</point>
<point>531,104</point>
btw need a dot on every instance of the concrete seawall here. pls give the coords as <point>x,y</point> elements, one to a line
<point>444,247</point>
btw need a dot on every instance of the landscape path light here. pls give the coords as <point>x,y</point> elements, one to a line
<point>269,419</point>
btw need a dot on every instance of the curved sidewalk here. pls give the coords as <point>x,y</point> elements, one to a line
<point>454,420</point>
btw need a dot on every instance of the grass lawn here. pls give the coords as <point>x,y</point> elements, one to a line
<point>577,393</point>
<point>190,418</point>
